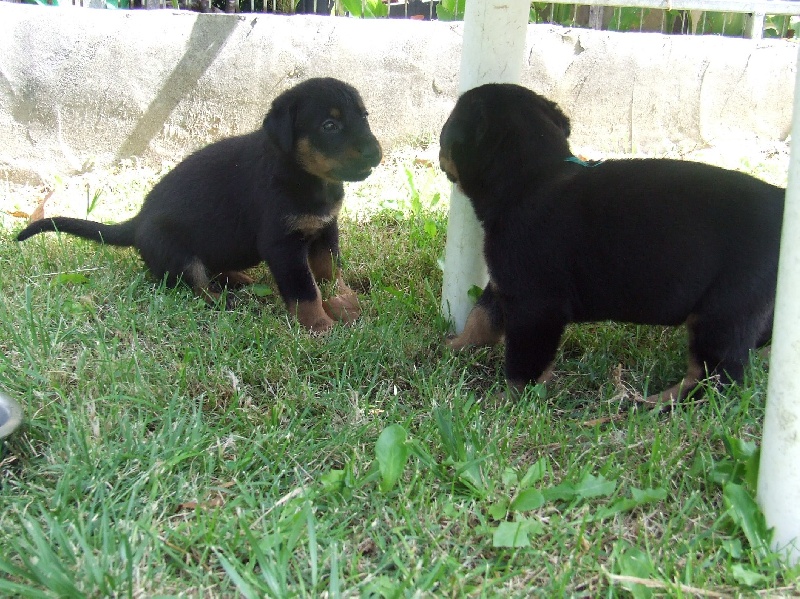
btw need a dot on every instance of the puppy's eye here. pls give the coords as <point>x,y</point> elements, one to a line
<point>331,125</point>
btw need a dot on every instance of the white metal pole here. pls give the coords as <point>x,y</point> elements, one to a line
<point>492,52</point>
<point>779,471</point>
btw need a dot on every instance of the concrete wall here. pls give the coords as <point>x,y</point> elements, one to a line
<point>92,86</point>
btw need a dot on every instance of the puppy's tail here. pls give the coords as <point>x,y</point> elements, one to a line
<point>122,234</point>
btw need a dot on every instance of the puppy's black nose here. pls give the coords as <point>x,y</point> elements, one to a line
<point>372,153</point>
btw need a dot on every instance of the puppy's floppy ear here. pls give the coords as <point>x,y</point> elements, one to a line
<point>279,125</point>
<point>467,126</point>
<point>553,112</point>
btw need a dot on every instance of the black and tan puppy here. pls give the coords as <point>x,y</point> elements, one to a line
<point>660,242</point>
<point>272,195</point>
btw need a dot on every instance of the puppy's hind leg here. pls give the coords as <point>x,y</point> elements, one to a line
<point>484,326</point>
<point>325,265</point>
<point>195,274</point>
<point>717,346</point>
<point>531,346</point>
<point>694,374</point>
<point>233,278</point>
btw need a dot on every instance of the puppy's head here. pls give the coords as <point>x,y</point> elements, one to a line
<point>322,125</point>
<point>500,131</point>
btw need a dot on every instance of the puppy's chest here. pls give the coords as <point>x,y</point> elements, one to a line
<point>311,223</point>
<point>314,210</point>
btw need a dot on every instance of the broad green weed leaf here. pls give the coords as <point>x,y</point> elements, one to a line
<point>745,513</point>
<point>723,472</point>
<point>74,278</point>
<point>625,504</point>
<point>641,496</point>
<point>733,547</point>
<point>751,466</point>
<point>738,449</point>
<point>430,228</point>
<point>632,561</point>
<point>499,509</point>
<point>391,452</point>
<point>622,504</point>
<point>470,474</point>
<point>262,290</point>
<point>562,492</point>
<point>511,534</point>
<point>534,474</point>
<point>528,499</point>
<point>383,587</point>
<point>509,477</point>
<point>474,293</point>
<point>595,486</point>
<point>333,480</point>
<point>746,576</point>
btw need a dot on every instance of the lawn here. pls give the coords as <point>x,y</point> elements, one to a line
<point>170,449</point>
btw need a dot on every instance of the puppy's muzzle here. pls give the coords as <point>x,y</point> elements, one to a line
<point>448,166</point>
<point>360,161</point>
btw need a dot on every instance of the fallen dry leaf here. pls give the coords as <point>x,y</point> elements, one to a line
<point>38,214</point>
<point>18,214</point>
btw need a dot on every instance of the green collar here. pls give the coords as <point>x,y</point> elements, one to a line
<point>577,160</point>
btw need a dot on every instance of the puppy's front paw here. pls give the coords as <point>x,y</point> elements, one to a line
<point>343,307</point>
<point>458,342</point>
<point>313,317</point>
<point>321,327</point>
<point>479,330</point>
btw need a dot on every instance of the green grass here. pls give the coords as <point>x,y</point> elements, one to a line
<point>171,449</point>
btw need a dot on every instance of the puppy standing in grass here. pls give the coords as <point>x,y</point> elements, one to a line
<point>660,242</point>
<point>272,195</point>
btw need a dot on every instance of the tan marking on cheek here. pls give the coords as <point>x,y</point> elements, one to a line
<point>313,161</point>
<point>478,331</point>
<point>351,154</point>
<point>449,167</point>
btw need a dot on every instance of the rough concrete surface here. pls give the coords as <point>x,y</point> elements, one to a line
<point>81,86</point>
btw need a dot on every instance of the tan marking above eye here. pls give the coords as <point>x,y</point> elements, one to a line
<point>336,113</point>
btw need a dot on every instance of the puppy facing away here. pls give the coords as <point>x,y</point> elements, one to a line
<point>272,195</point>
<point>648,241</point>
